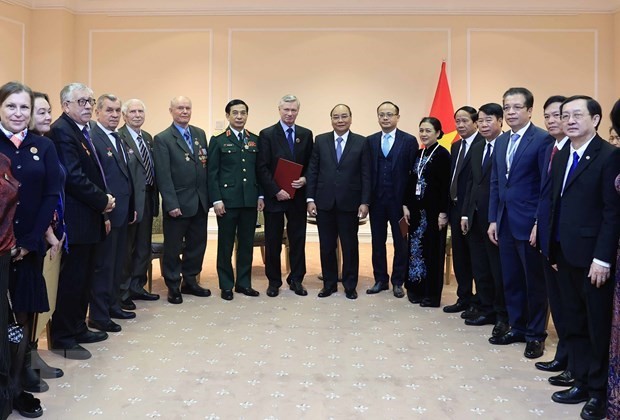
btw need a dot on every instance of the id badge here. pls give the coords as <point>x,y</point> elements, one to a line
<point>418,189</point>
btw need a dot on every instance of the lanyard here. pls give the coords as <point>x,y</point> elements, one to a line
<point>420,166</point>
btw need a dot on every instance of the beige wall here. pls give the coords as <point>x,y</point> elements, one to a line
<point>359,60</point>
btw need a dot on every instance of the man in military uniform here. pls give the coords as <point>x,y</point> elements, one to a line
<point>234,192</point>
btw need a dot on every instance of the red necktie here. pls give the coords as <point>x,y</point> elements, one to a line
<point>553,152</point>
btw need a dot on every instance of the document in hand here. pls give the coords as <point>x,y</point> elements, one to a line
<point>287,172</point>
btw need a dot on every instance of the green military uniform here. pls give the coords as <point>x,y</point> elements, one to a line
<point>232,179</point>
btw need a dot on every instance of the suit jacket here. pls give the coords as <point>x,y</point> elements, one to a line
<point>35,166</point>
<point>476,197</point>
<point>520,191</point>
<point>138,171</point>
<point>85,192</point>
<point>272,145</point>
<point>403,153</point>
<point>181,175</point>
<point>117,176</point>
<point>463,175</point>
<point>232,169</point>
<point>543,212</point>
<point>341,185</point>
<point>588,211</point>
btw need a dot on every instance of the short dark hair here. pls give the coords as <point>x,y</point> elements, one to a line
<point>473,114</point>
<point>236,102</point>
<point>435,123</point>
<point>336,106</point>
<point>41,95</point>
<point>553,100</point>
<point>529,98</point>
<point>615,116</point>
<point>389,103</point>
<point>594,108</point>
<point>11,88</point>
<point>492,108</point>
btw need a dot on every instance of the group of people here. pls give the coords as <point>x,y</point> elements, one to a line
<point>523,205</point>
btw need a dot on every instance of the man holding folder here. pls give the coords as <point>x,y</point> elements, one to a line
<point>285,144</point>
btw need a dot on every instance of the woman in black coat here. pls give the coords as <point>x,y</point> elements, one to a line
<point>425,206</point>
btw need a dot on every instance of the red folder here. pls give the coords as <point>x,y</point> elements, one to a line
<point>287,172</point>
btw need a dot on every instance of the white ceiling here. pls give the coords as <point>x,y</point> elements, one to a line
<point>327,7</point>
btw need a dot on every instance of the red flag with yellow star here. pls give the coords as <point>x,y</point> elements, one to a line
<point>443,110</point>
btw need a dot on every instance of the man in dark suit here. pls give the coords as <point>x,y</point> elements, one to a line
<point>540,235</point>
<point>392,154</point>
<point>584,231</point>
<point>180,153</point>
<point>339,192</point>
<point>139,146</point>
<point>110,254</point>
<point>86,202</point>
<point>234,190</point>
<point>466,119</point>
<point>515,190</point>
<point>284,140</point>
<point>485,260</point>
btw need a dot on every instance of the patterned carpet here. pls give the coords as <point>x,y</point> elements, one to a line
<point>300,357</point>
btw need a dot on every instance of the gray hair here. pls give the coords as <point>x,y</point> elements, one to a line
<point>67,92</point>
<point>287,99</point>
<point>132,101</point>
<point>107,96</point>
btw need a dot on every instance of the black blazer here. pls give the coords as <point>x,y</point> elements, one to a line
<point>341,185</point>
<point>463,175</point>
<point>85,194</point>
<point>117,176</point>
<point>543,213</point>
<point>272,145</point>
<point>403,153</point>
<point>589,208</point>
<point>476,197</point>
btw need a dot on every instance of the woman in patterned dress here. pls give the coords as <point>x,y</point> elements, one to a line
<point>425,207</point>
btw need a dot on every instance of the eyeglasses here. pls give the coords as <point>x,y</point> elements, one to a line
<point>83,102</point>
<point>577,116</point>
<point>516,108</point>
<point>386,115</point>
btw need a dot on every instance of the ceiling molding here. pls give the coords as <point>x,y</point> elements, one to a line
<point>321,7</point>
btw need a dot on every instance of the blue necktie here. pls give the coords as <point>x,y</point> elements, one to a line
<point>289,139</point>
<point>188,140</point>
<point>572,168</point>
<point>512,148</point>
<point>385,145</point>
<point>339,149</point>
<point>487,155</point>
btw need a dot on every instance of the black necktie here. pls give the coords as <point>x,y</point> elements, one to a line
<point>289,139</point>
<point>487,155</point>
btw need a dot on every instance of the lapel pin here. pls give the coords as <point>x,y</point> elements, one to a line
<point>33,150</point>
<point>297,140</point>
<point>587,157</point>
<point>35,157</point>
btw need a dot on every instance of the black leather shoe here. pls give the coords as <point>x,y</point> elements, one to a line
<point>128,305</point>
<point>469,313</point>
<point>413,298</point>
<point>428,303</point>
<point>46,371</point>
<point>398,292</point>
<point>508,338</point>
<point>573,395</point>
<point>27,405</point>
<point>144,295</point>
<point>120,314</point>
<point>500,329</point>
<point>89,336</point>
<point>325,292</point>
<point>563,379</point>
<point>109,326</point>
<point>481,320</point>
<point>248,291</point>
<point>76,352</point>
<point>298,288</point>
<point>174,296</point>
<point>273,291</point>
<point>595,409</point>
<point>378,287</point>
<point>552,366</point>
<point>195,290</point>
<point>227,295</point>
<point>457,307</point>
<point>534,349</point>
<point>350,293</point>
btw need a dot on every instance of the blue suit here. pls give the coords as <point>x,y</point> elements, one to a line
<point>389,175</point>
<point>512,205</point>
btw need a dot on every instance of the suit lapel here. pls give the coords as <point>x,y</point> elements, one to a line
<point>396,147</point>
<point>130,144</point>
<point>589,155</point>
<point>111,150</point>
<point>524,144</point>
<point>281,138</point>
<point>346,149</point>
<point>181,142</point>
